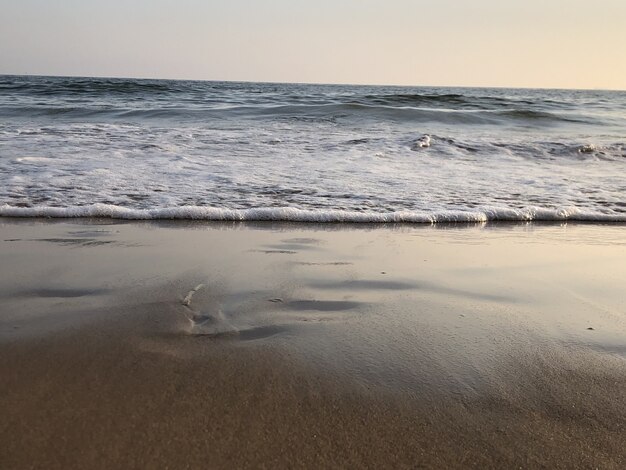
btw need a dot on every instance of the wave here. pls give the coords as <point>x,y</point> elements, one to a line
<point>531,149</point>
<point>282,93</point>
<point>454,100</point>
<point>53,86</point>
<point>290,214</point>
<point>73,98</point>
<point>330,111</point>
<point>534,115</point>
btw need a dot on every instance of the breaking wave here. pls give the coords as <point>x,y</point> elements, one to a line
<point>288,214</point>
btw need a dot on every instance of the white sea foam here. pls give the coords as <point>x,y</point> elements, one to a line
<point>287,214</point>
<point>33,160</point>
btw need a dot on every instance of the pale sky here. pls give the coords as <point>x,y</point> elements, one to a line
<point>515,43</point>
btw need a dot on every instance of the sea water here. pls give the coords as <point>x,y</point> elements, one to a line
<point>145,149</point>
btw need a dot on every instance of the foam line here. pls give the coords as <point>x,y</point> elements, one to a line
<point>288,214</point>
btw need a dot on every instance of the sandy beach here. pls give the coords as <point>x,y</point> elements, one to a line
<point>274,345</point>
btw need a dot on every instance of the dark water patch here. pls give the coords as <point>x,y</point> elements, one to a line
<point>230,334</point>
<point>75,241</point>
<point>78,242</point>
<point>261,332</point>
<point>359,141</point>
<point>321,263</point>
<point>323,305</point>
<point>303,241</point>
<point>245,334</point>
<point>365,285</point>
<point>91,233</point>
<point>65,293</point>
<point>292,247</point>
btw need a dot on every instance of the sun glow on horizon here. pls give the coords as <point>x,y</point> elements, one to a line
<point>564,44</point>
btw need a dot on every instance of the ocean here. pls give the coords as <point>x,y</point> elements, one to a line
<point>165,149</point>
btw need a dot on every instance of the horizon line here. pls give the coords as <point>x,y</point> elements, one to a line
<point>271,82</point>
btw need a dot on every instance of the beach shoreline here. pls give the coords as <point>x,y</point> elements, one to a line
<point>194,345</point>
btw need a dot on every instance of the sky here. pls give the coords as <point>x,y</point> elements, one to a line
<point>508,43</point>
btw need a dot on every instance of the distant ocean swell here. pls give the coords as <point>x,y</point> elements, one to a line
<point>334,111</point>
<point>76,98</point>
<point>209,94</point>
<point>288,214</point>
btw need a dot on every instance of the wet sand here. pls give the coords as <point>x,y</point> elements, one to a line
<point>195,345</point>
